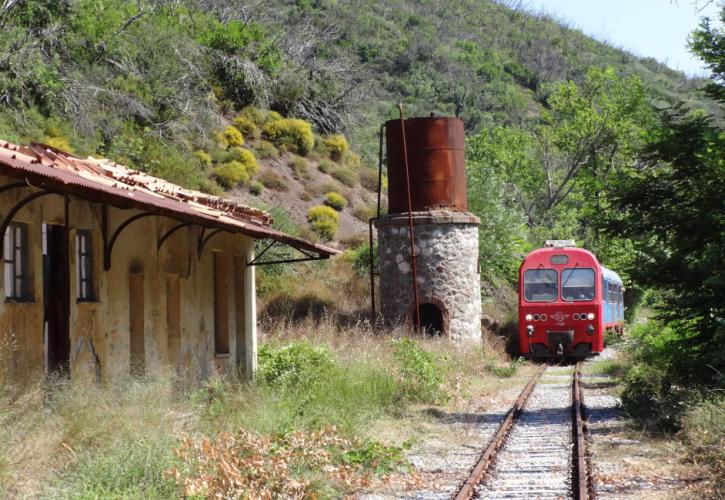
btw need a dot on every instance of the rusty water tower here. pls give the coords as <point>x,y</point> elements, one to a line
<point>427,194</point>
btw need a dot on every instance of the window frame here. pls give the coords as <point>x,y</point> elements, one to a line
<point>555,282</point>
<point>84,266</point>
<point>594,284</point>
<point>20,282</point>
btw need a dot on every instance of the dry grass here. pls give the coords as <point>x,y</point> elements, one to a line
<point>81,440</point>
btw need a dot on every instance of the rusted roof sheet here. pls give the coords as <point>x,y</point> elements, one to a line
<point>104,181</point>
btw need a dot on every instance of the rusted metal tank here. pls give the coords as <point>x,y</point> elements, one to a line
<point>436,162</point>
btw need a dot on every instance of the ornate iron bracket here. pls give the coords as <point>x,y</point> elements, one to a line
<point>16,208</point>
<point>203,240</point>
<point>13,185</point>
<point>108,244</point>
<point>171,231</point>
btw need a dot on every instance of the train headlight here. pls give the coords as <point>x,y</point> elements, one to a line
<point>590,316</point>
<point>528,317</point>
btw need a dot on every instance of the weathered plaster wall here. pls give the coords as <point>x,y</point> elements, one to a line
<point>446,246</point>
<point>100,329</point>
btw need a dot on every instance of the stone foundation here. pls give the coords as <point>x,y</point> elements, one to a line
<point>446,245</point>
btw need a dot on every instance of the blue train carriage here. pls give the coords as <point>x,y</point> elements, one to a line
<point>612,300</point>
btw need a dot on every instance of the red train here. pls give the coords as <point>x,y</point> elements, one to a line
<point>567,300</point>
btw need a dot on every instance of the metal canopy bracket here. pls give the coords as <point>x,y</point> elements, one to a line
<point>108,244</point>
<point>16,208</point>
<point>307,257</point>
<point>203,240</point>
<point>171,231</point>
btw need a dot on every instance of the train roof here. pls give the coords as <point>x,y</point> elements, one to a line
<point>560,250</point>
<point>610,275</point>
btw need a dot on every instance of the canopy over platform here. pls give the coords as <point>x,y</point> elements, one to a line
<point>103,181</point>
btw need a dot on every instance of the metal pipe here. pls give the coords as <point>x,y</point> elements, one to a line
<point>410,220</point>
<point>373,317</point>
<point>373,312</point>
<point>380,166</point>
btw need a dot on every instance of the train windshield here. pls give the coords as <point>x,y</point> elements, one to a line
<point>540,285</point>
<point>577,284</point>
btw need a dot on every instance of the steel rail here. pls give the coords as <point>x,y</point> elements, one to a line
<point>467,489</point>
<point>581,483</point>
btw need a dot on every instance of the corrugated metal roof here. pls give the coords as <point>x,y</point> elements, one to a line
<point>104,181</point>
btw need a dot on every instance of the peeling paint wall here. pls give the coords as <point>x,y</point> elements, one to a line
<point>177,288</point>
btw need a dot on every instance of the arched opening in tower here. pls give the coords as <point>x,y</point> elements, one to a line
<point>431,319</point>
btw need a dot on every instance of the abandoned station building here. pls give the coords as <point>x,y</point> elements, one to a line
<point>108,270</point>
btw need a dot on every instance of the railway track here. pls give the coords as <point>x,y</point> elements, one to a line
<point>539,451</point>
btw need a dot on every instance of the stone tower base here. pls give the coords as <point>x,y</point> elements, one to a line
<point>446,245</point>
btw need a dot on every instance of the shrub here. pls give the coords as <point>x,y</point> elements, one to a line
<point>208,186</point>
<point>272,116</point>
<point>359,258</point>
<point>266,149</point>
<point>703,430</point>
<point>246,126</point>
<point>325,166</point>
<point>368,179</point>
<point>291,134</point>
<point>220,140</point>
<point>255,115</point>
<point>421,375</point>
<point>351,160</point>
<point>326,187</point>
<point>247,159</point>
<point>203,157</point>
<point>293,364</point>
<point>272,180</point>
<point>299,167</point>
<point>219,155</point>
<point>59,143</point>
<point>364,213</point>
<point>306,196</point>
<point>233,136</point>
<point>336,201</point>
<point>324,221</point>
<point>291,464</point>
<point>231,173</point>
<point>345,175</point>
<point>313,301</point>
<point>256,188</point>
<point>336,145</point>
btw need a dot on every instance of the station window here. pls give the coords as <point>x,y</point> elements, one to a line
<point>15,257</point>
<point>84,265</point>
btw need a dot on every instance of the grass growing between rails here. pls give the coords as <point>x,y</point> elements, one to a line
<point>302,429</point>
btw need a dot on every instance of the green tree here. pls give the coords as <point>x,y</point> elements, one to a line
<point>490,157</point>
<point>708,42</point>
<point>673,209</point>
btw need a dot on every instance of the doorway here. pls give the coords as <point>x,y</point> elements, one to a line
<point>431,319</point>
<point>137,327</point>
<point>56,297</point>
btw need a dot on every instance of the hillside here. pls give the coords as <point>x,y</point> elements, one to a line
<point>150,83</point>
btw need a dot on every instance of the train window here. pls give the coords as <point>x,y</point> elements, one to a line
<point>541,285</point>
<point>577,284</point>
<point>557,260</point>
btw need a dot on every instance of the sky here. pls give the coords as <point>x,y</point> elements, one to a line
<point>649,28</point>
